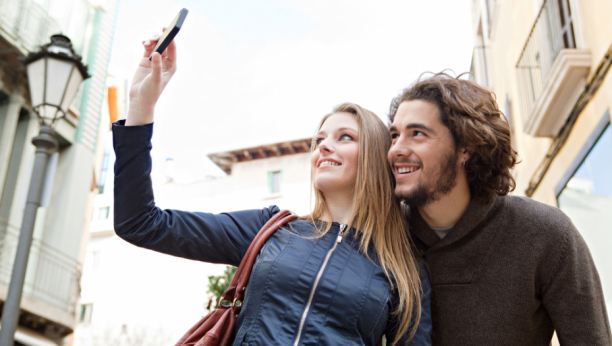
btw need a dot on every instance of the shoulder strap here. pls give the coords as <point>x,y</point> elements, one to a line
<point>243,273</point>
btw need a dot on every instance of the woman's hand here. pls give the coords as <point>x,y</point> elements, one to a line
<point>149,81</point>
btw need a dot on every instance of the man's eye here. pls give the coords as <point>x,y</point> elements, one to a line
<point>418,133</point>
<point>394,136</point>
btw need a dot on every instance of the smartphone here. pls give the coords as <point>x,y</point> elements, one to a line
<point>171,31</point>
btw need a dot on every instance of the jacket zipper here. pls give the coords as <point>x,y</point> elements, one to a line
<point>314,287</point>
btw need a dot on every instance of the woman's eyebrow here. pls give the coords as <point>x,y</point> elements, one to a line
<point>347,128</point>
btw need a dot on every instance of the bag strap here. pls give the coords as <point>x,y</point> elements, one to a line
<point>237,287</point>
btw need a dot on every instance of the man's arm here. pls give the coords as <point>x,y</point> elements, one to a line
<point>572,294</point>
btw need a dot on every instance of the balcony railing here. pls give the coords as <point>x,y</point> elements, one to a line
<point>52,278</point>
<point>552,31</point>
<point>27,23</point>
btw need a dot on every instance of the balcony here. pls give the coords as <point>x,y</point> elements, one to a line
<point>26,24</point>
<point>51,287</point>
<point>551,71</point>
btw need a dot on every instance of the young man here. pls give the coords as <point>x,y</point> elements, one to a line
<point>505,270</point>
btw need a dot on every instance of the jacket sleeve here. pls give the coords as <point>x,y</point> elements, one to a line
<point>422,337</point>
<point>222,238</point>
<point>572,293</point>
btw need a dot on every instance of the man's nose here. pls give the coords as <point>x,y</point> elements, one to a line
<point>398,149</point>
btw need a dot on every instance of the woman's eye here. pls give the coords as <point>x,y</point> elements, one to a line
<point>346,138</point>
<point>318,141</point>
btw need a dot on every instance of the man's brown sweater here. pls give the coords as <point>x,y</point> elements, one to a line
<point>511,272</point>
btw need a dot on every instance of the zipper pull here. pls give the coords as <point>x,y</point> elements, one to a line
<point>341,233</point>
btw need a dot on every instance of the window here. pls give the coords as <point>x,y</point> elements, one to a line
<point>274,181</point>
<point>491,9</point>
<point>104,169</point>
<point>586,198</point>
<point>103,213</point>
<point>480,59</point>
<point>566,23</point>
<point>86,311</point>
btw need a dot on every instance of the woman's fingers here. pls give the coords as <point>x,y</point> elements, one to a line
<point>156,68</point>
<point>148,45</point>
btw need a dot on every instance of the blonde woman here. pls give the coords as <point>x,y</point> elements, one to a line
<point>344,275</point>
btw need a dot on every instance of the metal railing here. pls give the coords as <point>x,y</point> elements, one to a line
<point>52,277</point>
<point>552,31</point>
<point>27,23</point>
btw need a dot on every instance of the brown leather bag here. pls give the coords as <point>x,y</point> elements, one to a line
<point>216,328</point>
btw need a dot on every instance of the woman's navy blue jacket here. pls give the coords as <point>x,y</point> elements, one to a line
<point>351,304</point>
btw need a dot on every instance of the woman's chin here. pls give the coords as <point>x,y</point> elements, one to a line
<point>332,187</point>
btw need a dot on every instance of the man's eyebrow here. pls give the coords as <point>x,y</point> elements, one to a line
<point>419,126</point>
<point>413,126</point>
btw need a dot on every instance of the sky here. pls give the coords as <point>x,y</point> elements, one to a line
<point>258,72</point>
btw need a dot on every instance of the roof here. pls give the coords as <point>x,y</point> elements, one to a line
<point>226,159</point>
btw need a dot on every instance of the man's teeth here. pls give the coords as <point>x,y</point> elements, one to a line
<point>407,169</point>
<point>329,163</point>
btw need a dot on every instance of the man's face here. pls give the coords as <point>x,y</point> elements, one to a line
<point>423,154</point>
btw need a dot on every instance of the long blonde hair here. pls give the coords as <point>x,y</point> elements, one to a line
<point>377,215</point>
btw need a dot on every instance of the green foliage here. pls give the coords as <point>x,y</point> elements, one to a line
<point>218,284</point>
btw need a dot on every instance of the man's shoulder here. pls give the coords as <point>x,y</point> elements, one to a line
<point>533,215</point>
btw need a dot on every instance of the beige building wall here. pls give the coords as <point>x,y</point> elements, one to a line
<point>505,26</point>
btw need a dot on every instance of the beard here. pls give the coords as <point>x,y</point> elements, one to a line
<point>442,182</point>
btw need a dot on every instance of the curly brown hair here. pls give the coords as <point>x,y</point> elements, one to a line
<point>471,114</point>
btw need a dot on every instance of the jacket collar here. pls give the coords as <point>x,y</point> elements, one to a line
<point>476,212</point>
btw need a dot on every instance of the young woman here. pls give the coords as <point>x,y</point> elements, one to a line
<point>344,275</point>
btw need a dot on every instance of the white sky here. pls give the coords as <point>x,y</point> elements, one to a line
<point>255,72</point>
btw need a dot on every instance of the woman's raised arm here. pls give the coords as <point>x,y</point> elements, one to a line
<point>221,238</point>
<point>216,238</point>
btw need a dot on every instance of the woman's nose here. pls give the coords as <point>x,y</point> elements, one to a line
<point>326,146</point>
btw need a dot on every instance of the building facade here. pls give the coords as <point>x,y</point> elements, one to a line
<point>51,290</point>
<point>548,61</point>
<point>132,296</point>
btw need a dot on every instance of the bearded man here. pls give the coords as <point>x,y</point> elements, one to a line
<point>505,270</point>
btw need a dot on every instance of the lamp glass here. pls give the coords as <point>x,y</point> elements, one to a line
<point>48,112</point>
<point>58,74</point>
<point>73,87</point>
<point>36,80</point>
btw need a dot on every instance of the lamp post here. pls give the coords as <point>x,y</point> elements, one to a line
<point>54,75</point>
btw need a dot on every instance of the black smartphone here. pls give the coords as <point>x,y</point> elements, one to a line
<point>171,31</point>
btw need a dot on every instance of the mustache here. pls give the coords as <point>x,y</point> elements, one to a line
<point>405,160</point>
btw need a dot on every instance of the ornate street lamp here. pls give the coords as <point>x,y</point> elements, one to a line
<point>54,75</point>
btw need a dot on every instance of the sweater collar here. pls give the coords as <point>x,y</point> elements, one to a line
<point>476,212</point>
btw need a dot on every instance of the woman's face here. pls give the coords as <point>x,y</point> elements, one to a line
<point>334,160</point>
